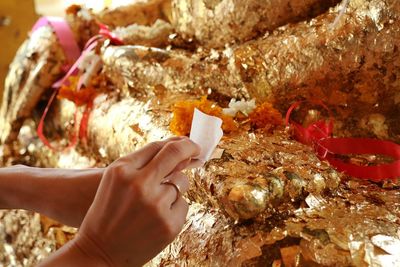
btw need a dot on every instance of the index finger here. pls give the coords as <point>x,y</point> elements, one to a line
<point>170,156</point>
<point>141,157</point>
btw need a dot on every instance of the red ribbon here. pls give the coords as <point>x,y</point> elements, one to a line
<point>319,134</point>
<point>313,132</point>
<point>73,54</point>
<point>105,31</point>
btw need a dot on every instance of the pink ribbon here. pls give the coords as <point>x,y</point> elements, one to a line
<point>73,70</point>
<point>64,34</point>
<point>89,46</point>
<point>72,52</point>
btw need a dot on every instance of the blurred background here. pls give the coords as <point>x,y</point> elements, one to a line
<point>18,16</point>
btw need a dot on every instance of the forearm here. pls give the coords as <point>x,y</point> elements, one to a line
<point>10,182</point>
<point>49,191</point>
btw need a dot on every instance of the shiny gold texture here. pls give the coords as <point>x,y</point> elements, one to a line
<point>268,200</point>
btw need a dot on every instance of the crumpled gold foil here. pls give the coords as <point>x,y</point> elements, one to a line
<point>328,231</point>
<point>352,66</point>
<point>257,175</point>
<point>268,200</point>
<point>22,241</point>
<point>303,216</point>
<point>36,66</point>
<point>218,22</point>
<point>139,12</point>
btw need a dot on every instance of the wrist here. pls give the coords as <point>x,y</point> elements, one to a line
<point>75,253</point>
<point>91,249</point>
<point>12,180</point>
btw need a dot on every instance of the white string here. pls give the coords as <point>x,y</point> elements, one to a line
<point>343,9</point>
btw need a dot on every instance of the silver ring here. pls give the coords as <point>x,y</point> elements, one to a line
<point>177,189</point>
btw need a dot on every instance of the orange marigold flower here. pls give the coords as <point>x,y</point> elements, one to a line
<point>83,96</point>
<point>183,115</point>
<point>265,116</point>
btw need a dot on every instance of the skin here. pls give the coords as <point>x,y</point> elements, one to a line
<point>62,194</point>
<point>125,212</point>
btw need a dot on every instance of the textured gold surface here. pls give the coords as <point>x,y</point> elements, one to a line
<point>353,227</point>
<point>141,12</point>
<point>37,65</point>
<point>299,211</point>
<point>353,67</point>
<point>268,200</point>
<point>214,23</point>
<point>13,29</point>
<point>258,175</point>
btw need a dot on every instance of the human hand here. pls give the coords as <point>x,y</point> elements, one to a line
<point>134,215</point>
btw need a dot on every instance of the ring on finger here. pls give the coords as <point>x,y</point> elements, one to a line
<point>177,189</point>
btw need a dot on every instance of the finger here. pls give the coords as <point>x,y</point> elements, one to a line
<point>181,166</point>
<point>189,164</point>
<point>141,157</point>
<point>169,157</point>
<point>179,179</point>
<point>178,214</point>
<point>172,193</point>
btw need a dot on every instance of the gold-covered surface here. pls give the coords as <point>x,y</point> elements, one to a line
<point>37,65</point>
<point>268,200</point>
<point>258,174</point>
<point>304,215</point>
<point>138,69</point>
<point>353,66</point>
<point>142,12</point>
<point>156,35</point>
<point>214,23</point>
<point>26,238</point>
<point>357,226</point>
<point>12,31</point>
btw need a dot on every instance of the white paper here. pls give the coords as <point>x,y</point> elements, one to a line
<point>206,132</point>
